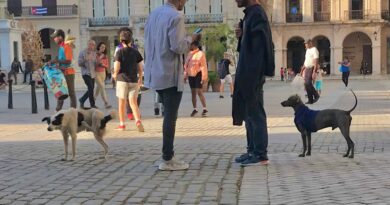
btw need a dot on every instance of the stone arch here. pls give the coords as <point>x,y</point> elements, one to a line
<point>357,47</point>
<point>323,44</point>
<point>295,53</point>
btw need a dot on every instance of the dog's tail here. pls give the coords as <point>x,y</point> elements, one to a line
<point>107,118</point>
<point>356,101</point>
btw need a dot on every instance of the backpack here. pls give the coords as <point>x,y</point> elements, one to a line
<point>222,71</point>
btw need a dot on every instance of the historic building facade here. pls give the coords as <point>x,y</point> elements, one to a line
<point>354,29</point>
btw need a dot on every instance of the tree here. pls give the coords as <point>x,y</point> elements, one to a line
<point>31,43</point>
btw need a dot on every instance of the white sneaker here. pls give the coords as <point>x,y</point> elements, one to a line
<point>173,165</point>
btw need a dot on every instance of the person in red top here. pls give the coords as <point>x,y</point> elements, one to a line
<point>195,70</point>
<point>65,57</point>
<point>101,68</point>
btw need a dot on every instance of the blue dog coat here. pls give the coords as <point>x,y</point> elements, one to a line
<point>304,117</point>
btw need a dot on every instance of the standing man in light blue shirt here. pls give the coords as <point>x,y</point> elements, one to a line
<point>165,43</point>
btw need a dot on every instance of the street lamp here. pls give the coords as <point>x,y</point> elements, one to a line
<point>375,35</point>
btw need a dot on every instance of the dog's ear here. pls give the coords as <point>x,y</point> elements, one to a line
<point>47,119</point>
<point>80,118</point>
<point>58,119</point>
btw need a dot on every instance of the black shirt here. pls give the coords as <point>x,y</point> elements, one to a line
<point>2,77</point>
<point>129,59</point>
<point>226,63</point>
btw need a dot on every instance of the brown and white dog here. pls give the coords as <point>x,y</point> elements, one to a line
<point>72,121</point>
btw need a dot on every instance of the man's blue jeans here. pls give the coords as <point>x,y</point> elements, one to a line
<point>171,99</point>
<point>256,126</point>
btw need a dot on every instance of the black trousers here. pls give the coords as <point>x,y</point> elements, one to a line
<point>345,77</point>
<point>90,83</point>
<point>310,90</point>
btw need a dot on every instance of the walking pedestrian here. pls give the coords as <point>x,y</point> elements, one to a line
<point>256,60</point>
<point>3,83</point>
<point>195,70</point>
<point>224,74</point>
<point>16,67</point>
<point>101,69</point>
<point>28,68</point>
<point>128,70</point>
<point>88,62</point>
<point>65,57</point>
<point>345,70</point>
<point>309,70</point>
<point>281,74</point>
<point>165,43</point>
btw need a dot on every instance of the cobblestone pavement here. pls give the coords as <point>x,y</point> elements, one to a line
<point>31,171</point>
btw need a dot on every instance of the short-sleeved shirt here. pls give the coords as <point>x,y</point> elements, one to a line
<point>311,54</point>
<point>65,53</point>
<point>129,59</point>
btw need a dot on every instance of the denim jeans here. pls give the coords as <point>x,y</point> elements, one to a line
<point>256,125</point>
<point>25,76</point>
<point>171,99</point>
<point>90,83</point>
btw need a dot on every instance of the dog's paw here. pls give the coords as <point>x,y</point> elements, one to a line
<point>63,159</point>
<point>346,155</point>
<point>301,155</point>
<point>308,154</point>
<point>351,157</point>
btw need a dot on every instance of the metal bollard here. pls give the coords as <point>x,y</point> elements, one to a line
<point>33,98</point>
<point>10,104</point>
<point>46,95</point>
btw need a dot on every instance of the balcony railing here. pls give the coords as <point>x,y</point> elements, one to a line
<point>293,18</point>
<point>108,21</point>
<point>385,15</point>
<point>31,11</point>
<point>204,18</point>
<point>354,14</point>
<point>321,16</point>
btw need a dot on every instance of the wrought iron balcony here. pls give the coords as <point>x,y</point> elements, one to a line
<point>293,18</point>
<point>321,16</point>
<point>354,14</point>
<point>204,18</point>
<point>33,11</point>
<point>385,15</point>
<point>109,21</point>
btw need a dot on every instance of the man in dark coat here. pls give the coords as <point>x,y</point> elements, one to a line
<point>256,60</point>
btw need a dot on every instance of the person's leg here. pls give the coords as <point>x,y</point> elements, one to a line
<point>121,110</point>
<point>193,98</point>
<point>221,88</point>
<point>25,76</point>
<point>171,99</point>
<point>346,78</point>
<point>121,94</point>
<point>133,96</point>
<point>343,78</point>
<point>90,92</point>
<point>71,90</point>
<point>98,80</point>
<point>202,99</point>
<point>257,120</point>
<point>86,94</point>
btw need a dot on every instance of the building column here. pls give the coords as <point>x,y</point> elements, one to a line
<point>376,59</point>
<point>307,11</point>
<point>278,61</point>
<point>279,11</point>
<point>335,10</point>
<point>336,56</point>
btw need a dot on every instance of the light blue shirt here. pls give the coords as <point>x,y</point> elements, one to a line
<point>165,43</point>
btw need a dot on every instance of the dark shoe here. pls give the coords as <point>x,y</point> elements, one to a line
<point>308,102</point>
<point>204,113</point>
<point>231,96</point>
<point>221,96</point>
<point>194,112</point>
<point>242,158</point>
<point>253,160</point>
<point>94,107</point>
<point>156,111</point>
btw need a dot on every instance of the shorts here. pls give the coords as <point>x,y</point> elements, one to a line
<point>195,82</point>
<point>318,84</point>
<point>126,90</point>
<point>228,79</point>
